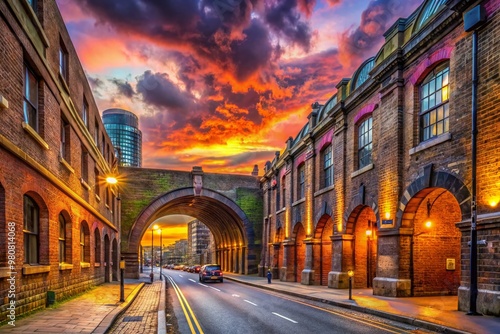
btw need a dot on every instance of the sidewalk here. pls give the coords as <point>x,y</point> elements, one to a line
<point>433,313</point>
<point>92,312</point>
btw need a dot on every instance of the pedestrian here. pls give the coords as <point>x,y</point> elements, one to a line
<point>269,276</point>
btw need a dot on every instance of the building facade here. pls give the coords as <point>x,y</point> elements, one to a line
<point>58,218</point>
<point>122,127</point>
<point>380,179</point>
<point>198,241</point>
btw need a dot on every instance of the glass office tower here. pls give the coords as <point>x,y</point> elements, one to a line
<point>122,127</point>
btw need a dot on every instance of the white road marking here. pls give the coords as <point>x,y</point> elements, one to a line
<point>211,287</point>
<point>192,280</point>
<point>181,276</point>
<point>203,285</point>
<point>281,316</point>
<point>249,302</point>
<point>235,295</point>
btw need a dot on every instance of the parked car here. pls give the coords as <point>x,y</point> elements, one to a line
<point>211,272</point>
<point>196,268</point>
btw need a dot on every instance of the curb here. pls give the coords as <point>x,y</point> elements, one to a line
<point>162,322</point>
<point>110,318</point>
<point>395,317</point>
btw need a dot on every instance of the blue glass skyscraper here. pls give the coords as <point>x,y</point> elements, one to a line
<point>122,127</point>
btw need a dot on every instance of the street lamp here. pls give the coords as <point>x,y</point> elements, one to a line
<point>156,227</point>
<point>112,181</point>
<point>152,256</point>
<point>350,273</point>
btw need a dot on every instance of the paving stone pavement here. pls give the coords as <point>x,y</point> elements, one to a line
<point>141,317</point>
<point>82,314</point>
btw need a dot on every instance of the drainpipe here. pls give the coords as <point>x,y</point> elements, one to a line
<point>473,19</point>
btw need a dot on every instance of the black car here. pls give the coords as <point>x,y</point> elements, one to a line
<point>211,272</point>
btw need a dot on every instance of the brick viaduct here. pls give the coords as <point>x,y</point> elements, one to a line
<point>230,205</point>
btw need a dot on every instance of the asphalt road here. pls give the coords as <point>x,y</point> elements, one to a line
<point>232,307</point>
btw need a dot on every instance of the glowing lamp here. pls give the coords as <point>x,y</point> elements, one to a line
<point>369,233</point>
<point>428,224</point>
<point>350,273</point>
<point>387,215</point>
<point>111,180</point>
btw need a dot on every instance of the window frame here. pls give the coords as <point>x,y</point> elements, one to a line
<point>301,182</point>
<point>430,123</point>
<point>64,149</point>
<point>328,168</point>
<point>63,62</point>
<point>365,142</point>
<point>31,230</point>
<point>62,239</point>
<point>31,82</point>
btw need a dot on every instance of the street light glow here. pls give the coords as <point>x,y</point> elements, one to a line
<point>111,180</point>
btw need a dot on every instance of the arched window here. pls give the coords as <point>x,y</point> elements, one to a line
<point>327,166</point>
<point>84,242</point>
<point>97,243</point>
<point>365,143</point>
<point>301,189</point>
<point>62,239</point>
<point>434,107</point>
<point>31,230</point>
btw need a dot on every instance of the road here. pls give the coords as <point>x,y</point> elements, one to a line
<point>232,307</point>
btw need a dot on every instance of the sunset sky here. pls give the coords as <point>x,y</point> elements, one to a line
<point>222,84</point>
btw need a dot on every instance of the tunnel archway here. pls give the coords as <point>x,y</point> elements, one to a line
<point>232,231</point>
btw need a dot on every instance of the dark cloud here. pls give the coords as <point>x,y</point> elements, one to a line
<point>124,87</point>
<point>158,90</point>
<point>283,18</point>
<point>95,82</point>
<point>363,41</point>
<point>217,33</point>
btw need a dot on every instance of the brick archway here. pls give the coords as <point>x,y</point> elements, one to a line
<point>429,180</point>
<point>233,233</point>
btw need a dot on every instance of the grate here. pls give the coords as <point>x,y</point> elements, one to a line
<point>133,318</point>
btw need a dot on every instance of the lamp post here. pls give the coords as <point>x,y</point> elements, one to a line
<point>156,227</point>
<point>350,273</point>
<point>152,257</point>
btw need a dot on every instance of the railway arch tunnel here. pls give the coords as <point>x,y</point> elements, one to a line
<point>229,205</point>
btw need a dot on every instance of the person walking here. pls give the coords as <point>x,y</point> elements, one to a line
<point>269,276</point>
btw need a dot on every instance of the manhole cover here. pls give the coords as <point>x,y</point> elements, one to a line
<point>134,318</point>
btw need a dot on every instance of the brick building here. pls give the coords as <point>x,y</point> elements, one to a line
<point>58,218</point>
<point>379,180</point>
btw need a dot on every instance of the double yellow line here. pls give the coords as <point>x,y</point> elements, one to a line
<point>188,312</point>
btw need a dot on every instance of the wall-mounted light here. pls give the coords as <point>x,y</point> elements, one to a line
<point>387,215</point>
<point>428,222</point>
<point>493,202</point>
<point>369,230</point>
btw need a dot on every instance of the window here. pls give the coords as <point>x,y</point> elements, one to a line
<point>434,108</point>
<point>283,192</point>
<point>96,133</point>
<point>302,182</point>
<point>30,104</point>
<point>328,166</point>
<point>97,243</point>
<point>62,238</point>
<point>365,143</point>
<point>32,3</point>
<point>85,113</point>
<point>64,149</point>
<point>85,164</point>
<point>84,242</point>
<point>97,188</point>
<point>31,230</point>
<point>63,62</point>
<point>278,197</point>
